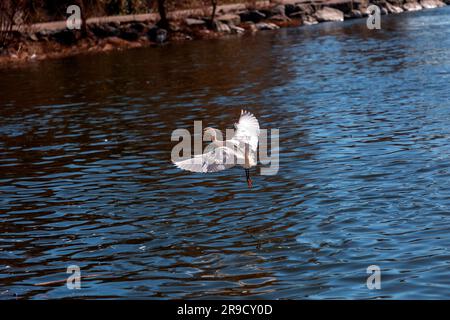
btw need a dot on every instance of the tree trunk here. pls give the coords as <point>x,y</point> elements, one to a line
<point>83,17</point>
<point>163,22</point>
<point>214,7</point>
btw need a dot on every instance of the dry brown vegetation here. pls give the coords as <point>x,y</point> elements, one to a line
<point>12,15</point>
<point>53,10</point>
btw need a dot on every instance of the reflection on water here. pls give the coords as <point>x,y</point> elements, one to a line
<point>86,177</point>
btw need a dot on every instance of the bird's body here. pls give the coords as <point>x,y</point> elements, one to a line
<point>223,154</point>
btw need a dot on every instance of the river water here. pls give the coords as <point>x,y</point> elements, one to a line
<point>86,177</point>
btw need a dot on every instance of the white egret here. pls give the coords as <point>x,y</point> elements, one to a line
<point>221,155</point>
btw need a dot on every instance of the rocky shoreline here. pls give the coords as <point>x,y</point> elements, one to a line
<point>32,45</point>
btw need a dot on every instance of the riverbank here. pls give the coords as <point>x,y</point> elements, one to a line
<point>54,40</point>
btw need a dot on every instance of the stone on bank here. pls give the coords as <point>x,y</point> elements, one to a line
<point>329,14</point>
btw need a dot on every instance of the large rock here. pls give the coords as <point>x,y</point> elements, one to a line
<point>365,12</point>
<point>278,13</point>
<point>397,3</point>
<point>279,17</point>
<point>393,8</point>
<point>104,30</point>
<point>266,26</point>
<point>229,19</point>
<point>66,37</point>
<point>379,3</point>
<point>250,26</point>
<point>129,33</point>
<point>45,35</point>
<point>253,16</point>
<point>412,6</point>
<point>309,20</point>
<point>32,36</point>
<point>290,9</point>
<point>430,4</point>
<point>267,12</point>
<point>354,14</point>
<point>348,6</point>
<point>157,35</point>
<point>236,29</point>
<point>194,22</point>
<point>279,10</point>
<point>114,24</point>
<point>298,10</point>
<point>306,8</point>
<point>329,14</point>
<point>138,26</point>
<point>297,15</point>
<point>220,26</point>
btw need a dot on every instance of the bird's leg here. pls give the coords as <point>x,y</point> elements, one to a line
<point>247,175</point>
<point>246,167</point>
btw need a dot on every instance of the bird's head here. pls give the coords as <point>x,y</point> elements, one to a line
<point>210,133</point>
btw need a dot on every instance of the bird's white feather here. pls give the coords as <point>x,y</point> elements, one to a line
<point>247,130</point>
<point>218,159</point>
<point>226,154</point>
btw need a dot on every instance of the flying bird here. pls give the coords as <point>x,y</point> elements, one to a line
<point>225,154</point>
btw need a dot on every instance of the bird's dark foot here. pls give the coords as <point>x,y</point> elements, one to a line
<point>247,175</point>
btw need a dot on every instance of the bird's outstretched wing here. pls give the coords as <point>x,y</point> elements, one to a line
<point>219,159</point>
<point>247,130</point>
